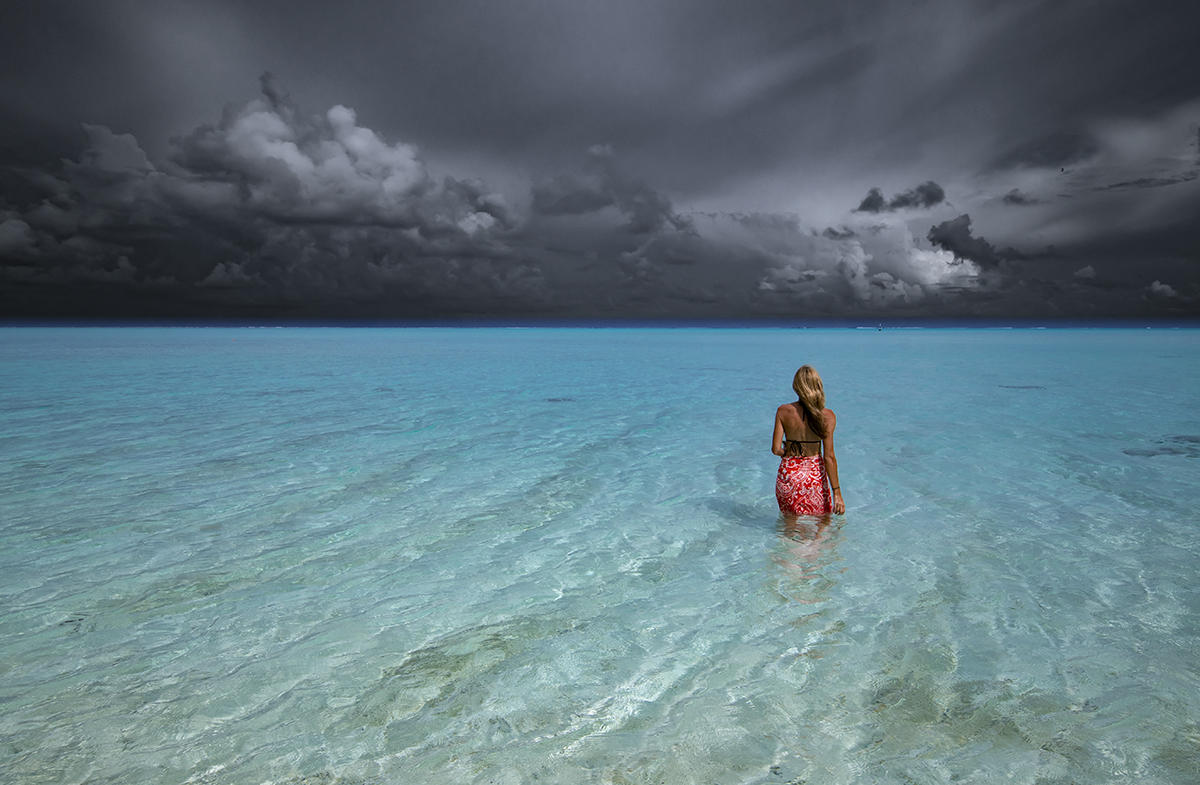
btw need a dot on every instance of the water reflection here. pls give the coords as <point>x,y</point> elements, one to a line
<point>808,558</point>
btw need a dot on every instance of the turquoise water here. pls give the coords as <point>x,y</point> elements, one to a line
<point>554,555</point>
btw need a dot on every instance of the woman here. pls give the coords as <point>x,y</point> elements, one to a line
<point>803,434</point>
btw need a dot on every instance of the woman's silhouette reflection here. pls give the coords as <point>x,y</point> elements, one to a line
<point>807,554</point>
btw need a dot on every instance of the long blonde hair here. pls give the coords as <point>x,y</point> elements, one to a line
<point>807,384</point>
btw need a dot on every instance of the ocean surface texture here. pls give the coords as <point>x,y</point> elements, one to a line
<point>554,555</point>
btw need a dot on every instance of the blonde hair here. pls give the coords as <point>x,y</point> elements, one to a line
<point>807,384</point>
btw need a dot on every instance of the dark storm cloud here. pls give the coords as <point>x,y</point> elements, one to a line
<point>268,205</point>
<point>955,236</point>
<point>273,161</point>
<point>602,184</point>
<point>454,185</point>
<point>925,195</point>
<point>873,202</point>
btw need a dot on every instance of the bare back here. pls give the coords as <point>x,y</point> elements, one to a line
<point>802,440</point>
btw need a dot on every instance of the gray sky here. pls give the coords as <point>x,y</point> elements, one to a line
<point>598,159</point>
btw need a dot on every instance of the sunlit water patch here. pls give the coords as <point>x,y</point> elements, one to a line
<point>507,556</point>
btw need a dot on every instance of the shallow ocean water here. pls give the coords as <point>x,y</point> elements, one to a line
<point>234,555</point>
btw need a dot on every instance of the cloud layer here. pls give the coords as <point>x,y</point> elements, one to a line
<point>616,159</point>
<point>267,208</point>
<point>271,211</point>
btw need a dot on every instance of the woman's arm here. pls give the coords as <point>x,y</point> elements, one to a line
<point>839,506</point>
<point>777,437</point>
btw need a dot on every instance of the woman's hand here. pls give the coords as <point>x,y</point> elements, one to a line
<point>839,506</point>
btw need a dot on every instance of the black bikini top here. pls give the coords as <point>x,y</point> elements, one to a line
<point>798,451</point>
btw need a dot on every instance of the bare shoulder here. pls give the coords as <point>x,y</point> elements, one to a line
<point>830,418</point>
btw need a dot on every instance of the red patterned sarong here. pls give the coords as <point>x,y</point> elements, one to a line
<point>800,486</point>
